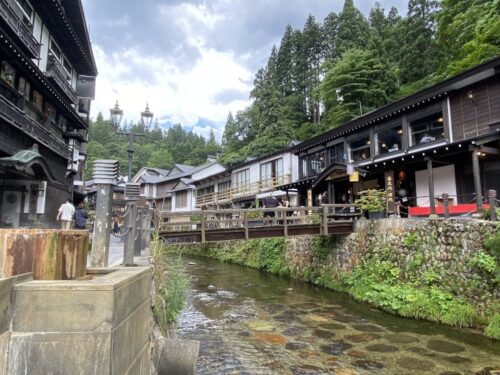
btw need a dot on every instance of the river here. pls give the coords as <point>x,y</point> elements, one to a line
<point>249,322</point>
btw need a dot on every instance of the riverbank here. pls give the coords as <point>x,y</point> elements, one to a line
<point>442,271</point>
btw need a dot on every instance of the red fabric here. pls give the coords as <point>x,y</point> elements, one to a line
<point>453,210</point>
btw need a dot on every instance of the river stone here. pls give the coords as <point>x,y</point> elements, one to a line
<point>336,348</point>
<point>260,325</point>
<point>287,316</point>
<point>296,345</point>
<point>273,338</point>
<point>293,331</point>
<point>488,371</point>
<point>308,354</point>
<point>345,371</point>
<point>422,351</point>
<point>304,306</point>
<point>367,364</point>
<point>275,308</point>
<point>450,373</point>
<point>382,348</point>
<point>457,359</point>
<point>362,337</point>
<point>444,346</point>
<point>323,334</point>
<point>316,318</point>
<point>332,326</point>
<point>306,370</point>
<point>412,363</point>
<point>244,334</point>
<point>401,339</point>
<point>346,318</point>
<point>367,328</point>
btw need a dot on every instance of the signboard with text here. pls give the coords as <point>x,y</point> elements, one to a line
<point>390,196</point>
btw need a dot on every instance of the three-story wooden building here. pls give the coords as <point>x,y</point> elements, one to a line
<point>47,81</point>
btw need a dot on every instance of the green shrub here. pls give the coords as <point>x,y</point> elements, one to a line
<point>493,329</point>
<point>371,200</point>
<point>410,240</point>
<point>492,244</point>
<point>483,261</point>
<point>272,255</point>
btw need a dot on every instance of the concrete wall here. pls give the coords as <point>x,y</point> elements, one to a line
<point>96,326</point>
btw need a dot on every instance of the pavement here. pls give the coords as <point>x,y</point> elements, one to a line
<point>115,256</point>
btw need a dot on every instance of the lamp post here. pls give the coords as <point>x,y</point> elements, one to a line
<point>146,120</point>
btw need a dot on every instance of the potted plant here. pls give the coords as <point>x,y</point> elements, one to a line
<point>373,202</point>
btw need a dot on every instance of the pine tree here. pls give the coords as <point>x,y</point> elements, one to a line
<point>353,30</point>
<point>330,35</point>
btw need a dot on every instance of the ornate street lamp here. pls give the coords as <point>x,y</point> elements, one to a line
<point>146,118</point>
<point>116,117</point>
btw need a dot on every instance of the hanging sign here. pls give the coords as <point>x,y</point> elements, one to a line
<point>350,169</point>
<point>390,197</point>
<point>354,177</point>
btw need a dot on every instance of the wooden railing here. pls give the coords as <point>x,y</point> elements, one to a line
<point>272,222</point>
<point>17,25</point>
<point>213,198</point>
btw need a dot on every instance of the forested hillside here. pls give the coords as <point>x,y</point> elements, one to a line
<point>346,65</point>
<point>158,148</point>
<point>325,74</point>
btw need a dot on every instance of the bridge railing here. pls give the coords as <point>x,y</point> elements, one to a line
<point>285,217</point>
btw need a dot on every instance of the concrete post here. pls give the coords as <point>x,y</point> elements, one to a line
<point>476,170</point>
<point>132,191</point>
<point>430,180</point>
<point>492,195</point>
<point>105,174</point>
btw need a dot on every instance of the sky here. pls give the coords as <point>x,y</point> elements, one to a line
<point>193,61</point>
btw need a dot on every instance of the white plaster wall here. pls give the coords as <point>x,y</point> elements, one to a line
<point>444,182</point>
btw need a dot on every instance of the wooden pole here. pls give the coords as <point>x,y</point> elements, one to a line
<point>445,206</point>
<point>325,221</point>
<point>430,180</point>
<point>477,180</point>
<point>245,224</point>
<point>202,224</point>
<point>492,194</point>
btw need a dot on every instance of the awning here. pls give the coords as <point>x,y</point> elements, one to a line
<point>335,171</point>
<point>28,163</point>
<point>297,184</point>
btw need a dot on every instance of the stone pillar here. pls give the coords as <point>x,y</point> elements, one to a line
<point>105,174</point>
<point>132,191</point>
<point>492,196</point>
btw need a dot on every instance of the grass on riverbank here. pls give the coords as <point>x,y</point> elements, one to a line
<point>171,284</point>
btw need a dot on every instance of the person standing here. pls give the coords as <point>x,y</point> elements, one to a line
<point>80,217</point>
<point>65,214</point>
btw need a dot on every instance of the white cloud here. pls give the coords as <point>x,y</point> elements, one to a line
<point>178,95</point>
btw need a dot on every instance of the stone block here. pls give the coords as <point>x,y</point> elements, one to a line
<point>130,296</point>
<point>50,254</point>
<point>60,353</point>
<point>142,364</point>
<point>129,338</point>
<point>6,286</point>
<point>4,352</point>
<point>178,357</point>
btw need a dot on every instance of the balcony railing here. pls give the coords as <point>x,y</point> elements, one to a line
<point>213,198</point>
<point>57,73</point>
<point>273,182</point>
<point>17,25</point>
<point>21,120</point>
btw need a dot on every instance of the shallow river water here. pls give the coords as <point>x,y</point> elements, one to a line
<point>249,322</point>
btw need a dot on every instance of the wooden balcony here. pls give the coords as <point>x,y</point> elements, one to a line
<point>272,183</point>
<point>56,72</point>
<point>29,43</point>
<point>22,120</point>
<point>213,198</point>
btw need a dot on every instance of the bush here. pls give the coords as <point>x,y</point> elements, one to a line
<point>483,261</point>
<point>371,200</point>
<point>493,329</point>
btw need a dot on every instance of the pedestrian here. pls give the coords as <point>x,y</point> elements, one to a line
<point>116,227</point>
<point>80,217</point>
<point>65,214</point>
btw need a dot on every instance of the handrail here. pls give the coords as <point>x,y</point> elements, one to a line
<point>17,25</point>
<point>278,218</point>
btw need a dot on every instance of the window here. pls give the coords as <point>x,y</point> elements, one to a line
<point>317,162</point>
<point>427,129</point>
<point>242,180</point>
<point>388,139</point>
<point>67,66</point>
<point>271,172</point>
<point>27,10</point>
<point>56,51</point>
<point>181,199</point>
<point>360,149</point>
<point>8,73</point>
<point>337,153</point>
<point>303,167</point>
<point>224,186</point>
<point>59,56</point>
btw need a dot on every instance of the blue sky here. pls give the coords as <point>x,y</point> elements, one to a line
<point>193,61</point>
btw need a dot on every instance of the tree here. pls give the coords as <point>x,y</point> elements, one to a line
<point>353,30</point>
<point>420,54</point>
<point>469,32</point>
<point>330,36</point>
<point>161,158</point>
<point>359,78</point>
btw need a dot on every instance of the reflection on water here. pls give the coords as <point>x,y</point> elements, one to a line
<point>250,322</point>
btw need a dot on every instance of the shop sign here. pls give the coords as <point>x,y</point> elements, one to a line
<point>390,197</point>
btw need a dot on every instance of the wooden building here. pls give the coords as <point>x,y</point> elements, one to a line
<point>443,139</point>
<point>47,81</point>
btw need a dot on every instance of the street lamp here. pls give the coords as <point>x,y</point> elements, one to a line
<point>116,117</point>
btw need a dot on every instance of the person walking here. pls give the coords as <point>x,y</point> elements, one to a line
<point>65,214</point>
<point>80,217</point>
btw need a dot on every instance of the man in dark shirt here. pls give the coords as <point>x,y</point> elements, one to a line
<point>80,217</point>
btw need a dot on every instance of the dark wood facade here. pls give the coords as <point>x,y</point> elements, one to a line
<point>450,131</point>
<point>47,78</point>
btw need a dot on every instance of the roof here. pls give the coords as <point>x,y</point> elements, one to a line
<point>148,179</point>
<point>29,161</point>
<point>183,168</point>
<point>411,102</point>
